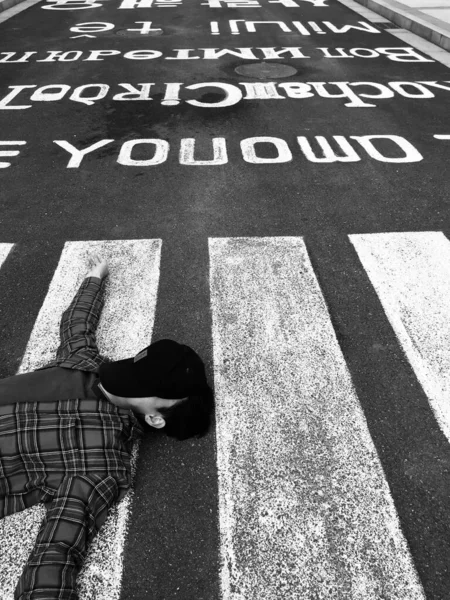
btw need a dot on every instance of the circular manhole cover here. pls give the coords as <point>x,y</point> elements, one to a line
<point>265,70</point>
<point>128,33</point>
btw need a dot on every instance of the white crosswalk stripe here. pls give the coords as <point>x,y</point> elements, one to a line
<point>126,327</point>
<point>305,511</point>
<point>411,275</point>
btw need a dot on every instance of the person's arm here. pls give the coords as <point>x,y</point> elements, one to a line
<point>73,518</point>
<point>78,346</point>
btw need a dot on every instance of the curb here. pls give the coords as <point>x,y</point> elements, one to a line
<point>423,25</point>
<point>5,4</point>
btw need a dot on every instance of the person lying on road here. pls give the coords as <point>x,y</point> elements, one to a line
<point>67,432</point>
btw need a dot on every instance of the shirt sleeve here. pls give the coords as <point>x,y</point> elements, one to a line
<point>78,345</point>
<point>73,518</point>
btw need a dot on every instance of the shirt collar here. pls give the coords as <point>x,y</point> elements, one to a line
<point>97,391</point>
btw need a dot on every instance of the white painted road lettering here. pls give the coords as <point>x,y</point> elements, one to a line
<point>92,27</point>
<point>7,153</point>
<point>70,4</point>
<point>56,55</point>
<point>141,91</point>
<point>346,150</point>
<point>396,54</point>
<point>89,94</point>
<point>15,91</point>
<point>15,57</point>
<point>315,149</point>
<point>133,4</point>
<point>86,29</point>
<point>411,154</point>
<point>304,507</point>
<point>230,94</point>
<point>159,151</point>
<point>302,28</point>
<point>249,153</point>
<point>292,4</point>
<point>50,93</point>
<point>78,155</point>
<point>187,149</point>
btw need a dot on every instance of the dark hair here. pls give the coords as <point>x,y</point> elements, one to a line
<point>190,417</point>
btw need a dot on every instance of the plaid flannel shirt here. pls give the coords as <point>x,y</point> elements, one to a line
<point>74,455</point>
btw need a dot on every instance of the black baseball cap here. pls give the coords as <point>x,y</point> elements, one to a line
<point>165,369</point>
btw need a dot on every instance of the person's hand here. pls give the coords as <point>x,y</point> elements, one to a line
<point>98,267</point>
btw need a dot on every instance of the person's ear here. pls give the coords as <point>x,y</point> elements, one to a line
<point>155,421</point>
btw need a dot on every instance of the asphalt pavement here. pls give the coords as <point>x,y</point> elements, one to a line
<point>270,145</point>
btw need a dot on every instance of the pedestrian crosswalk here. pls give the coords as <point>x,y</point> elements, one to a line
<point>305,509</point>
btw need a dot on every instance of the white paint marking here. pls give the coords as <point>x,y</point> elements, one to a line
<point>92,27</point>
<point>411,154</point>
<point>301,28</point>
<point>348,154</point>
<point>135,93</point>
<point>315,27</point>
<point>125,328</point>
<point>171,96</point>
<point>305,511</point>
<point>8,153</point>
<point>160,150</point>
<point>146,27</point>
<point>249,153</point>
<point>5,249</point>
<point>411,275</point>
<point>99,91</point>
<point>78,155</point>
<point>56,55</point>
<point>50,93</point>
<point>187,152</point>
<point>232,94</point>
